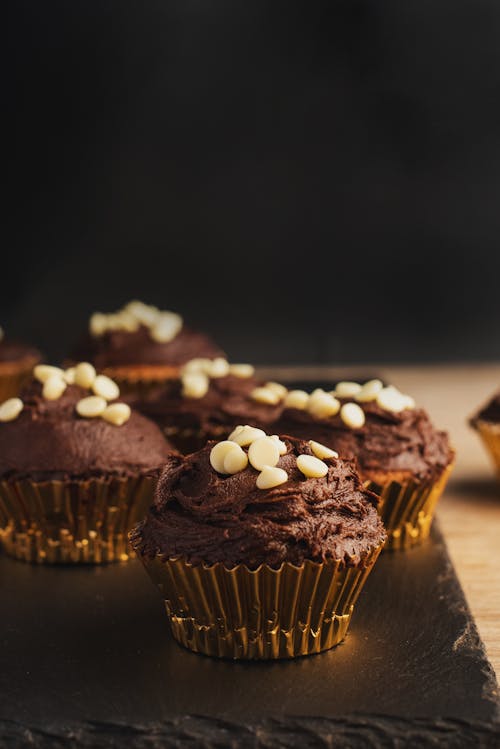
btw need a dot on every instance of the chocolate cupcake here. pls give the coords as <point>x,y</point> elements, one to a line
<point>141,345</point>
<point>487,424</point>
<point>77,468</point>
<point>400,454</point>
<point>16,364</point>
<point>208,400</point>
<point>260,545</point>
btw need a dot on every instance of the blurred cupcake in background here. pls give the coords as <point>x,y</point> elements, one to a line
<point>260,546</point>
<point>208,400</point>
<point>77,468</point>
<point>16,364</point>
<point>487,424</point>
<point>141,345</point>
<point>400,454</point>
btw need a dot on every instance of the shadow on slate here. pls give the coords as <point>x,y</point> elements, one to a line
<point>87,660</point>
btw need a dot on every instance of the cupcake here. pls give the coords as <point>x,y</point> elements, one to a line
<point>208,400</point>
<point>400,454</point>
<point>487,424</point>
<point>16,364</point>
<point>260,545</point>
<point>77,468</point>
<point>141,345</point>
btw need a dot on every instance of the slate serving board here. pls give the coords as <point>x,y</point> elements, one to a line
<point>86,659</point>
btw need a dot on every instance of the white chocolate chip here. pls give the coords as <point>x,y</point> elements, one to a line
<point>322,451</point>
<point>311,467</point>
<point>165,327</point>
<point>297,399</point>
<point>84,375</point>
<point>263,452</point>
<point>106,388</point>
<point>241,370</point>
<point>91,406</point>
<point>322,405</point>
<point>146,314</point>
<point>125,320</point>
<point>352,415</point>
<point>390,399</point>
<point>235,460</point>
<point>245,435</point>
<point>69,376</point>
<point>281,445</point>
<point>409,402</point>
<point>194,385</point>
<point>271,476</point>
<point>219,452</point>
<point>265,395</point>
<point>117,413</point>
<point>369,391</point>
<point>347,389</point>
<point>218,368</point>
<point>54,387</point>
<point>42,372</point>
<point>197,365</point>
<point>277,388</point>
<point>98,324</point>
<point>10,409</point>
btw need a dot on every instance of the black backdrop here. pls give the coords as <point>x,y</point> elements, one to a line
<point>309,181</point>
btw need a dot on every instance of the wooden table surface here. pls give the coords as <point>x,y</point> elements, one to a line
<point>469,511</point>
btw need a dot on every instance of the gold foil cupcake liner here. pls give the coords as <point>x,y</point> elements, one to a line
<point>71,522</point>
<point>490,436</point>
<point>13,375</point>
<point>141,381</point>
<point>259,614</point>
<point>407,509</point>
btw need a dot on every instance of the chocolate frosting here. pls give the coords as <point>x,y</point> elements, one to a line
<point>48,440</point>
<point>226,404</point>
<point>205,517</point>
<point>117,348</point>
<point>490,412</point>
<point>405,441</point>
<point>12,351</point>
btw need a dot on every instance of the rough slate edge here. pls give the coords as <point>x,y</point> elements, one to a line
<point>306,732</point>
<point>355,732</point>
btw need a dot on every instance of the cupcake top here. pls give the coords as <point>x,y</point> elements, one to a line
<point>490,412</point>
<point>256,499</point>
<point>377,425</point>
<point>14,351</point>
<point>69,424</point>
<point>142,335</point>
<point>214,396</point>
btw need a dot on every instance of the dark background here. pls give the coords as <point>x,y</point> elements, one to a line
<point>309,181</point>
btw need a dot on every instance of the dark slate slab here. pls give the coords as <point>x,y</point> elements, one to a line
<point>86,659</point>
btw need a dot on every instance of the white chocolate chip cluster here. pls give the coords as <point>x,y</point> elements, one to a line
<point>54,382</point>
<point>197,373</point>
<point>271,393</point>
<point>323,404</point>
<point>263,453</point>
<point>163,325</point>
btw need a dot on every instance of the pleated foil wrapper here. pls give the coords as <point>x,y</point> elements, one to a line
<point>140,381</point>
<point>407,509</point>
<point>265,613</point>
<point>72,522</point>
<point>13,377</point>
<point>490,436</point>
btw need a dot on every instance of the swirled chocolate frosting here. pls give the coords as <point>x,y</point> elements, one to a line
<point>49,440</point>
<point>116,348</point>
<point>203,516</point>
<point>226,404</point>
<point>388,442</point>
